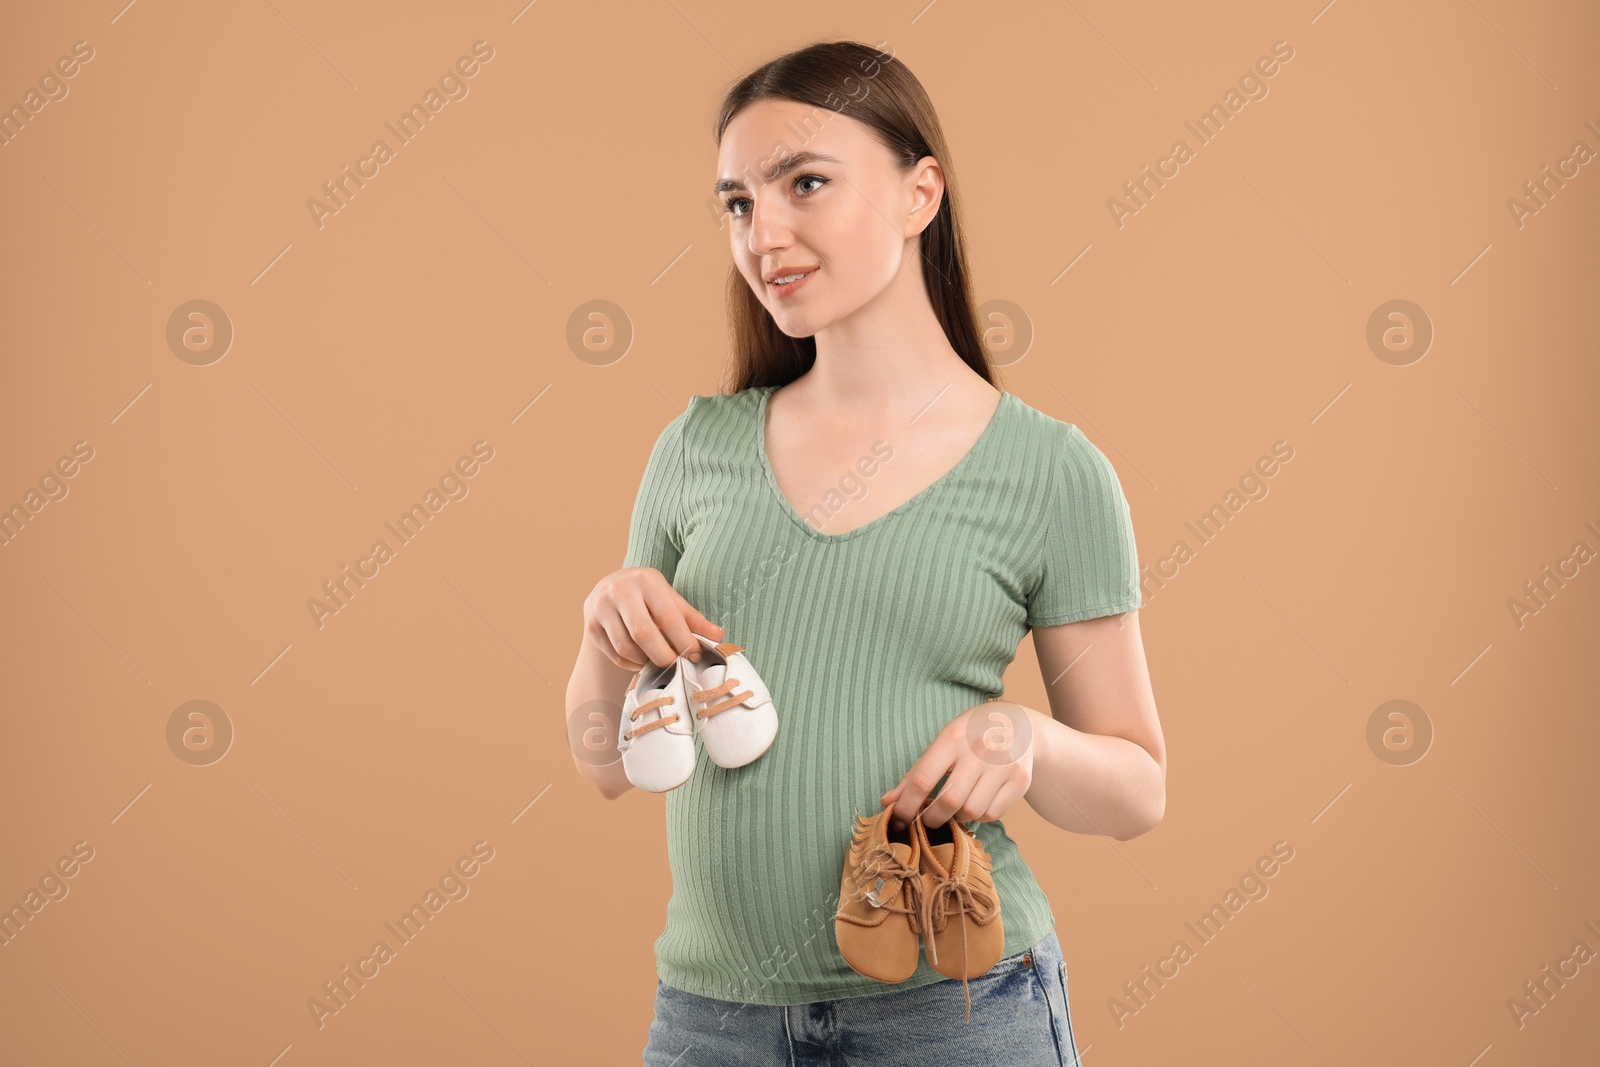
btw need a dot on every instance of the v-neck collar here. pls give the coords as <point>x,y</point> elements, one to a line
<point>766,391</point>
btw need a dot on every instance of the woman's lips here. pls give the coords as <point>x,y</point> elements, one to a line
<point>791,288</point>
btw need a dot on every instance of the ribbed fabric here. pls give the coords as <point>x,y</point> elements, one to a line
<point>870,642</point>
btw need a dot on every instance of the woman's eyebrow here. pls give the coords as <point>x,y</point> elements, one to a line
<point>782,166</point>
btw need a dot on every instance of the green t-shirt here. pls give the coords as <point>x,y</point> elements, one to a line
<point>870,642</point>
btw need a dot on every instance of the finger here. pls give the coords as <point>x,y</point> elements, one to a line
<point>1004,801</point>
<point>667,611</point>
<point>623,650</point>
<point>678,619</point>
<point>907,806</point>
<point>930,767</point>
<point>646,614</point>
<point>889,797</point>
<point>980,798</point>
<point>698,622</point>
<point>963,775</point>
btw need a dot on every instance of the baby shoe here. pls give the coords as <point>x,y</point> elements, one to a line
<point>880,893</point>
<point>733,712</point>
<point>961,927</point>
<point>656,738</point>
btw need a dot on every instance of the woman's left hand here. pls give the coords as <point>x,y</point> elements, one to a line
<point>988,752</point>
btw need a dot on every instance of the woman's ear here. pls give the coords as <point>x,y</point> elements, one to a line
<point>927,194</point>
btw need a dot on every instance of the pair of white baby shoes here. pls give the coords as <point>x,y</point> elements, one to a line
<point>726,702</point>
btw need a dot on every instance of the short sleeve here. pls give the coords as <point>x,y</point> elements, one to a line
<point>1091,565</point>
<point>655,533</point>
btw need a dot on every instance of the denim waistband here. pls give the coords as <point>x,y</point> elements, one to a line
<point>1020,1017</point>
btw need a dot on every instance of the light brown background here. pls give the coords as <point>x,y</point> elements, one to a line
<point>369,754</point>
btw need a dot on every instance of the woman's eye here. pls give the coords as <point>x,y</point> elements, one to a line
<point>732,203</point>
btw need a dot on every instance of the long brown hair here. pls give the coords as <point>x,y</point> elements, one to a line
<point>877,90</point>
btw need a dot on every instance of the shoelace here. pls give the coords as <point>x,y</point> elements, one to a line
<point>732,702</point>
<point>967,899</point>
<point>647,706</point>
<point>880,862</point>
<point>702,695</point>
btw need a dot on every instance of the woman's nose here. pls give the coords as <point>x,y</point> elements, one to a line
<point>769,229</point>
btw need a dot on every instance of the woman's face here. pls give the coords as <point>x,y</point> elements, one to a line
<point>808,189</point>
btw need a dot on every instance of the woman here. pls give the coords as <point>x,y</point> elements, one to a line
<point>878,527</point>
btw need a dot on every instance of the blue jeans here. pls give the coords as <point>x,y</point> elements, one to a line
<point>1020,1018</point>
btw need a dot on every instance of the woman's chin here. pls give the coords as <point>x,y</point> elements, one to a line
<point>798,326</point>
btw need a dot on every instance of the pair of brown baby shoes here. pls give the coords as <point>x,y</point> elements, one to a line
<point>933,884</point>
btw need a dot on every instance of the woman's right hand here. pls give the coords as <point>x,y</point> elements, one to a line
<point>634,616</point>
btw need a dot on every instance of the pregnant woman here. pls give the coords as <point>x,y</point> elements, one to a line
<point>876,526</point>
